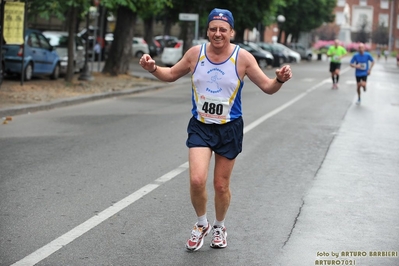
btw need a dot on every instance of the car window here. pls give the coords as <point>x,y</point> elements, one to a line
<point>63,42</point>
<point>33,41</point>
<point>44,42</point>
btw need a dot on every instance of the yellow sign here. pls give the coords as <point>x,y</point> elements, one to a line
<point>14,14</point>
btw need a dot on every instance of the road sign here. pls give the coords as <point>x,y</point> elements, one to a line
<point>188,17</point>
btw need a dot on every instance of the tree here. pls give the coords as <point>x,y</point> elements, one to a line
<point>306,15</point>
<point>126,14</point>
<point>362,35</point>
<point>380,35</point>
<point>245,15</point>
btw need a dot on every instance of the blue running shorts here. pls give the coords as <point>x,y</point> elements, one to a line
<point>223,139</point>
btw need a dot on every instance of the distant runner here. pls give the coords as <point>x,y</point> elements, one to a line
<point>336,52</point>
<point>360,61</point>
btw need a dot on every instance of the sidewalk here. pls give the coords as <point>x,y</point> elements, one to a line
<point>351,214</point>
<point>17,109</point>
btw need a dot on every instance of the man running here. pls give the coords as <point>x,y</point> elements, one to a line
<point>336,52</point>
<point>360,61</point>
<point>218,69</point>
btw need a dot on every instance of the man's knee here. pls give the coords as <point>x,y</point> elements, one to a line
<point>221,185</point>
<point>198,182</point>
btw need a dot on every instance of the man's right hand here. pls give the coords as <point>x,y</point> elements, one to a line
<point>147,62</point>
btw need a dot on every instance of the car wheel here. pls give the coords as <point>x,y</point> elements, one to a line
<point>139,54</point>
<point>28,72</point>
<point>56,72</point>
<point>309,57</point>
<point>262,63</point>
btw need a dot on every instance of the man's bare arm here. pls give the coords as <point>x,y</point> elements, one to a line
<point>170,74</point>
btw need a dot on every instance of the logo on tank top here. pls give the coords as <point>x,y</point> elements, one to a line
<point>214,80</point>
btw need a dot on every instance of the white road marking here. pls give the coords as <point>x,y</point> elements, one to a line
<point>86,226</point>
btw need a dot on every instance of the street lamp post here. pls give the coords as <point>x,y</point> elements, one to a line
<point>280,21</point>
<point>86,75</point>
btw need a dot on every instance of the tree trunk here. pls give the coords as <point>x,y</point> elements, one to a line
<point>120,53</point>
<point>71,43</point>
<point>148,24</point>
<point>239,36</point>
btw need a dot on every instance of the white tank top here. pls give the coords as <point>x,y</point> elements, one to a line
<point>216,89</point>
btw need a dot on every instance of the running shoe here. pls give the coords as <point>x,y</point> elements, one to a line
<point>358,102</point>
<point>219,237</point>
<point>196,239</point>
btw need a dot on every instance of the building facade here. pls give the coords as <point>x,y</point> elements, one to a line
<point>352,15</point>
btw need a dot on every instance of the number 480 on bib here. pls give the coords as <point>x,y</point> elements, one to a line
<point>212,108</point>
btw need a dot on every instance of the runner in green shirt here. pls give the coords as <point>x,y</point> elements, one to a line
<point>336,52</point>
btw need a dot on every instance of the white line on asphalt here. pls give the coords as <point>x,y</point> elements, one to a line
<point>86,226</point>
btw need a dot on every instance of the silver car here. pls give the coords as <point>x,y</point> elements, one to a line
<point>59,39</point>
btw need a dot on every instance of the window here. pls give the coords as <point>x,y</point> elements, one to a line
<point>383,19</point>
<point>363,3</point>
<point>384,4</point>
<point>43,42</point>
<point>397,22</point>
<point>33,41</point>
<point>341,2</point>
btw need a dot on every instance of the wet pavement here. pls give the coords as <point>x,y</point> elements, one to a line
<point>351,214</point>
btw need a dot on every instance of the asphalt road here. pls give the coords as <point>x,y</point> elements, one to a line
<point>106,182</point>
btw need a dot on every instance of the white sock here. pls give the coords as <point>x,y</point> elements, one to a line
<point>202,221</point>
<point>218,223</point>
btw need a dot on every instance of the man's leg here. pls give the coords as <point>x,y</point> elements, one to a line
<point>337,76</point>
<point>359,86</point>
<point>199,159</point>
<point>221,183</point>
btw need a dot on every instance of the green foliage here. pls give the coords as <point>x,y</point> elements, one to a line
<point>306,15</point>
<point>58,8</point>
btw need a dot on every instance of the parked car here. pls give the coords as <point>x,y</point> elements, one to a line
<point>40,57</point>
<point>260,49</point>
<point>305,53</point>
<point>166,40</point>
<point>294,57</point>
<point>262,59</point>
<point>140,47</point>
<point>172,52</point>
<point>155,48</point>
<point>280,57</point>
<point>59,39</point>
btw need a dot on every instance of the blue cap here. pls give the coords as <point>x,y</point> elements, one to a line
<point>221,14</point>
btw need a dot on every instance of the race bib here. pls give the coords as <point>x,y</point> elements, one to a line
<point>213,107</point>
<point>363,66</point>
<point>336,57</point>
